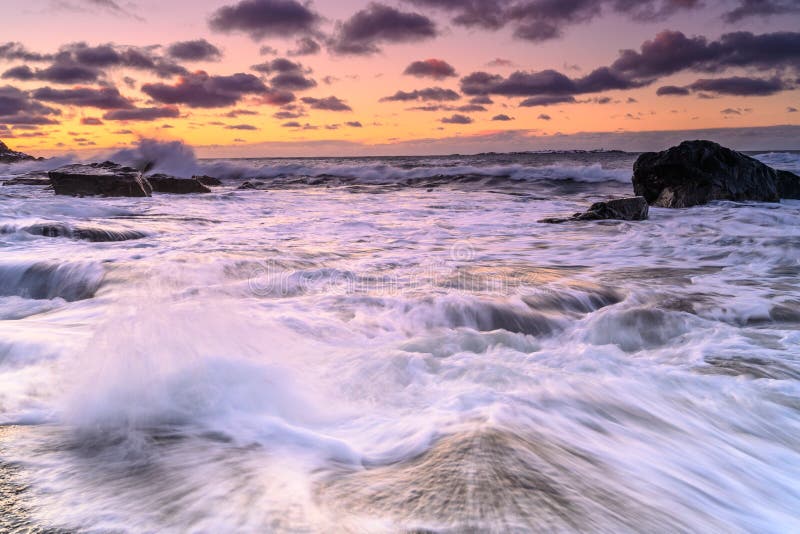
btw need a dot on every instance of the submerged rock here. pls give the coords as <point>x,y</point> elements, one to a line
<point>622,209</point>
<point>95,235</point>
<point>162,183</point>
<point>9,156</point>
<point>99,179</point>
<point>698,172</point>
<point>251,185</point>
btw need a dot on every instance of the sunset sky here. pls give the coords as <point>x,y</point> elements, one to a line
<point>282,77</point>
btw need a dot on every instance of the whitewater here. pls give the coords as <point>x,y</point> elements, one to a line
<point>396,345</point>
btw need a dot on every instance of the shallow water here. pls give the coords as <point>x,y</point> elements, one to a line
<point>398,345</point>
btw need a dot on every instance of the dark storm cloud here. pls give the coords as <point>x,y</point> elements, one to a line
<point>548,83</point>
<point>541,20</point>
<point>438,69</point>
<point>672,90</point>
<point>289,76</point>
<point>101,98</point>
<point>81,63</point>
<point>456,119</point>
<point>670,52</point>
<point>502,118</point>
<point>63,72</point>
<point>276,97</point>
<point>200,90</point>
<point>305,46</point>
<point>143,114</point>
<point>761,8</point>
<point>740,86</point>
<point>330,103</point>
<point>112,55</point>
<point>278,65</point>
<point>266,18</point>
<point>196,50</point>
<point>17,107</point>
<point>22,72</point>
<point>430,94</point>
<point>377,24</point>
<point>12,51</point>
<point>292,81</point>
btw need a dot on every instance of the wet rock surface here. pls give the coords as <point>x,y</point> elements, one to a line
<point>623,209</point>
<point>99,179</point>
<point>698,172</point>
<point>162,183</point>
<point>10,156</point>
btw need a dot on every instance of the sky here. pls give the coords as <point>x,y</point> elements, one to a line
<point>252,78</point>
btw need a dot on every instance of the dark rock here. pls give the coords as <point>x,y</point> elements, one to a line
<point>208,180</point>
<point>95,235</point>
<point>788,185</point>
<point>9,156</point>
<point>161,183</point>
<point>99,179</point>
<point>623,209</point>
<point>29,179</point>
<point>698,172</point>
<point>252,185</point>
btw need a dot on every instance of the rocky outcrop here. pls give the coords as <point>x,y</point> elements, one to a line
<point>698,172</point>
<point>162,183</point>
<point>29,179</point>
<point>209,181</point>
<point>9,156</point>
<point>99,179</point>
<point>622,209</point>
<point>788,185</point>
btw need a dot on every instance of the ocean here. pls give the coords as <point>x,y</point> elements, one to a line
<point>397,345</point>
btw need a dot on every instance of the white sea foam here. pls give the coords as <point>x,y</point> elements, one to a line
<point>323,359</point>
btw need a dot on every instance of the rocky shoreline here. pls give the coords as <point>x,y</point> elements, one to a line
<point>691,174</point>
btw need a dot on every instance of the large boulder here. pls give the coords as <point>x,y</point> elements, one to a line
<point>9,156</point>
<point>698,172</point>
<point>99,179</point>
<point>621,209</point>
<point>162,183</point>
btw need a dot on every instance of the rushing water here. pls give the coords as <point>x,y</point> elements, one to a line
<point>397,345</point>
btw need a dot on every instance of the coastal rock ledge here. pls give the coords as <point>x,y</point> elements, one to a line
<point>698,172</point>
<point>621,209</point>
<point>99,179</point>
<point>9,156</point>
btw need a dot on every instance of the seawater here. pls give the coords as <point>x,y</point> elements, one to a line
<point>397,345</point>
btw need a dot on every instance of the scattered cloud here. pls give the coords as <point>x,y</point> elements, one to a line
<point>430,94</point>
<point>201,90</point>
<point>438,69</point>
<point>330,103</point>
<point>143,114</point>
<point>457,119</point>
<point>266,18</point>
<point>379,24</point>
<point>197,50</point>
